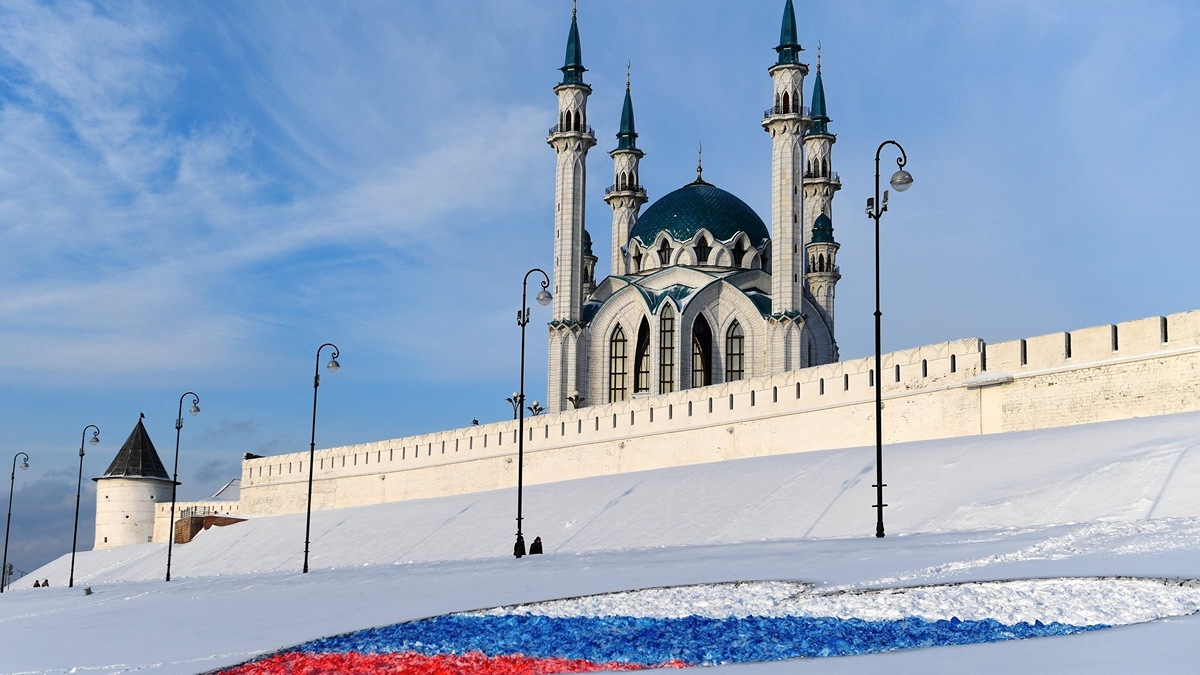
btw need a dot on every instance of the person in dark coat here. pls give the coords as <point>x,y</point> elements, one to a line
<point>45,583</point>
<point>519,547</point>
<point>536,547</point>
<point>36,584</point>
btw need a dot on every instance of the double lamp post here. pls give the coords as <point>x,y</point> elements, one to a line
<point>518,397</point>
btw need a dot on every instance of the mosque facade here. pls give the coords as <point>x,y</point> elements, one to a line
<point>700,290</point>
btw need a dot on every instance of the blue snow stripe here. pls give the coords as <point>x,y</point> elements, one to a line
<point>694,640</point>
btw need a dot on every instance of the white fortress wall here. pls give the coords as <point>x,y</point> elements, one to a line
<point>965,387</point>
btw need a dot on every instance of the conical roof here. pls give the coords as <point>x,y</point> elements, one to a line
<point>137,458</point>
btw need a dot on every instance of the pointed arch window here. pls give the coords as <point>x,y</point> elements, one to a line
<point>666,350</point>
<point>641,381</point>
<point>787,102</point>
<point>735,353</point>
<point>701,353</point>
<point>617,357</point>
<point>739,252</point>
<point>637,260</point>
<point>702,251</point>
<point>664,253</point>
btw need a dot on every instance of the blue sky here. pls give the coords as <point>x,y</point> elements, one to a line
<point>194,196</point>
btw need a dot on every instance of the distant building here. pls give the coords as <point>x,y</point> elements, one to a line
<point>700,292</point>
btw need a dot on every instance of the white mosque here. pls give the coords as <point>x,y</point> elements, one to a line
<point>700,291</point>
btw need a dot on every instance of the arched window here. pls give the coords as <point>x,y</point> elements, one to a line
<point>570,122</point>
<point>739,252</point>
<point>641,381</point>
<point>821,263</point>
<point>664,253</point>
<point>617,355</point>
<point>735,353</point>
<point>666,350</point>
<point>787,102</point>
<point>637,260</point>
<point>702,251</point>
<point>701,353</point>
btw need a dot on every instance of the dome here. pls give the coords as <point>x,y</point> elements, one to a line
<point>685,211</point>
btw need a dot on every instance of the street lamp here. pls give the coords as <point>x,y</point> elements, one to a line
<point>195,410</point>
<point>536,409</point>
<point>8,524</point>
<point>901,181</point>
<point>78,489</point>
<point>333,366</point>
<point>575,400</point>
<point>515,402</point>
<point>543,298</point>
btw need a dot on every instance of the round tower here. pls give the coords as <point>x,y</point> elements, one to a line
<point>787,121</point>
<point>129,492</point>
<point>820,183</point>
<point>571,139</point>
<point>626,195</point>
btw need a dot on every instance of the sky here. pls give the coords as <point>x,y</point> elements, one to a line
<point>1061,524</point>
<point>195,196</point>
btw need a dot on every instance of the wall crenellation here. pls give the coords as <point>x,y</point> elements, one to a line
<point>932,391</point>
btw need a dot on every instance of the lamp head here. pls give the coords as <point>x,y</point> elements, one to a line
<point>195,409</point>
<point>25,463</point>
<point>333,365</point>
<point>95,439</point>
<point>901,180</point>
<point>544,297</point>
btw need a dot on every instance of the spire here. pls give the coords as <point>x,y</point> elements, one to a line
<point>789,50</point>
<point>627,137</point>
<point>822,230</point>
<point>573,65</point>
<point>820,120</point>
<point>700,167</point>
<point>137,458</point>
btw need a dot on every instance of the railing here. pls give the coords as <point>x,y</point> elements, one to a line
<point>778,110</point>
<point>557,129</point>
<point>613,188</point>
<point>833,176</point>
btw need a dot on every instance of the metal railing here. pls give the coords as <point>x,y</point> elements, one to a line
<point>586,130</point>
<point>803,111</point>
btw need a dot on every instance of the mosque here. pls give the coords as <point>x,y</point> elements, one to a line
<point>700,291</point>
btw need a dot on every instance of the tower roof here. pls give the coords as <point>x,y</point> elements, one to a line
<point>137,458</point>
<point>789,49</point>
<point>822,230</point>
<point>697,205</point>
<point>573,69</point>
<point>627,137</point>
<point>820,119</point>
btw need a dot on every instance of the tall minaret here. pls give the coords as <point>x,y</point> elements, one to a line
<point>626,196</point>
<point>820,182</point>
<point>571,140</point>
<point>786,121</point>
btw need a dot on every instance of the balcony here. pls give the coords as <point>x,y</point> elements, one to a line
<point>802,111</point>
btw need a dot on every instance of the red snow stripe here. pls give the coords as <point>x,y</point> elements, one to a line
<point>411,663</point>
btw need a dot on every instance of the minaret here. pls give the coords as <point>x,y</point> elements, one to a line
<point>589,266</point>
<point>571,139</point>
<point>786,121</point>
<point>626,195</point>
<point>820,182</point>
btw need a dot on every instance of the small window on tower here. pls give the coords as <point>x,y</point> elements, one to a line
<point>664,253</point>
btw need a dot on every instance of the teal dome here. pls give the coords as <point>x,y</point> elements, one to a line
<point>683,212</point>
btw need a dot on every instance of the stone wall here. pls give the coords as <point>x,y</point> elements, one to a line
<point>965,387</point>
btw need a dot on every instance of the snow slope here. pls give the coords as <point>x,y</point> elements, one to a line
<point>1109,499</point>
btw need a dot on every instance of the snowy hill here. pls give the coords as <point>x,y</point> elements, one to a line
<point>1105,499</point>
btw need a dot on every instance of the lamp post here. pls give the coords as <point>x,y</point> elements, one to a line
<point>78,490</point>
<point>515,402</point>
<point>8,524</point>
<point>901,181</point>
<point>195,410</point>
<point>333,366</point>
<point>543,298</point>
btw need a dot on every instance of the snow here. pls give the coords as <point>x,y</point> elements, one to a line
<point>1080,522</point>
